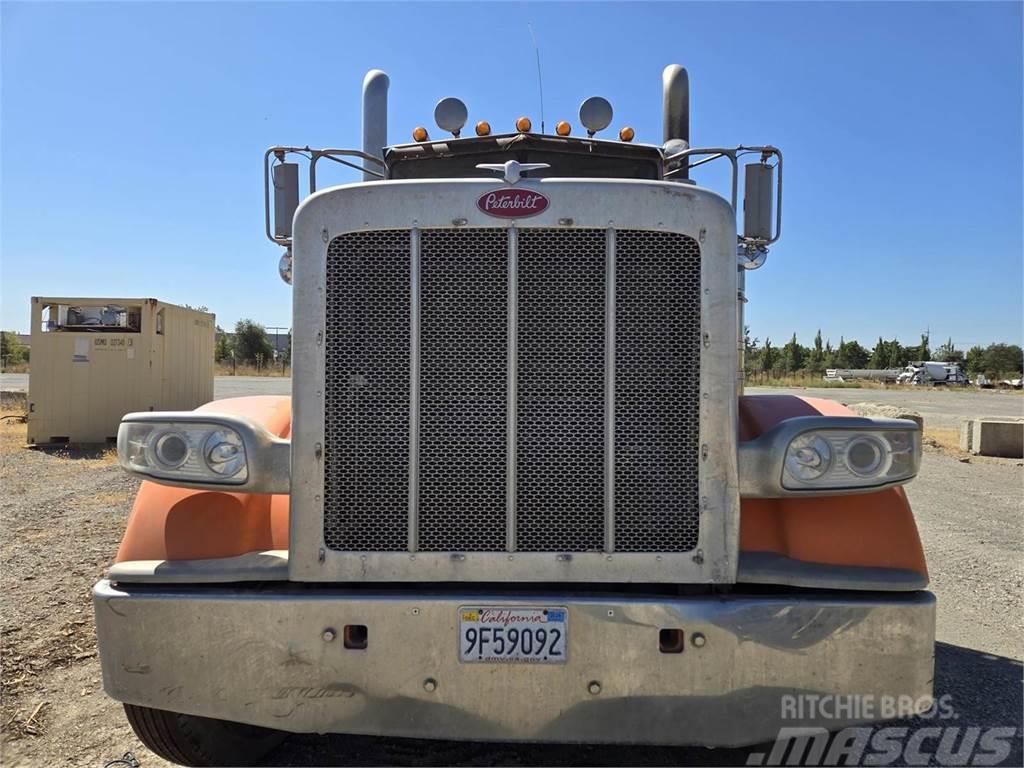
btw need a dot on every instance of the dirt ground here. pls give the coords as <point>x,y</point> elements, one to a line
<point>62,514</point>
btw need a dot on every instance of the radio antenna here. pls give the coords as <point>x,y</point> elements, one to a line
<point>540,81</point>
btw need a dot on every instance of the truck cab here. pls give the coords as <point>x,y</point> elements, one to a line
<point>517,493</point>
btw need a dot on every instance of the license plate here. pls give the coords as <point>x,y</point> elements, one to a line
<point>510,635</point>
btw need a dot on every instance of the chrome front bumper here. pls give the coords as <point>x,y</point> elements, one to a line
<point>266,656</point>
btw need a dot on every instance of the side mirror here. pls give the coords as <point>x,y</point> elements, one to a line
<point>758,191</point>
<point>286,197</point>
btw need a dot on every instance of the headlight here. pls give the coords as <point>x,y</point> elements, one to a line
<point>197,452</point>
<point>828,456</point>
<point>839,458</point>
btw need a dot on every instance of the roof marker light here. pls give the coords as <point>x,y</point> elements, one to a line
<point>562,128</point>
<point>483,128</point>
<point>595,114</point>
<point>626,133</point>
<point>450,115</point>
<point>523,125</point>
<point>419,133</point>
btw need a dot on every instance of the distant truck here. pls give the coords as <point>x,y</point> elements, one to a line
<point>933,374</point>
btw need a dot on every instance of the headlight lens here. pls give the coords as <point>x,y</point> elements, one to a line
<point>809,457</point>
<point>185,451</point>
<point>838,458</point>
<point>224,452</point>
<point>168,450</point>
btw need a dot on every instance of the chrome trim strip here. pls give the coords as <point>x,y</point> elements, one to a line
<point>269,565</point>
<point>776,569</point>
<point>414,389</point>
<point>609,391</point>
<point>512,392</point>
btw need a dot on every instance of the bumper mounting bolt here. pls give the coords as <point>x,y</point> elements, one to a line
<point>328,635</point>
<point>430,685</point>
<point>594,687</point>
<point>698,640</point>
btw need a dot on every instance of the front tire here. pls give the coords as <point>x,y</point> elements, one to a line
<point>200,741</point>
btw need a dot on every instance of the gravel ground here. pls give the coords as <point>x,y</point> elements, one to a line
<point>62,515</point>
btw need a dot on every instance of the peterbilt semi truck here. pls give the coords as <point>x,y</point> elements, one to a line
<point>517,493</point>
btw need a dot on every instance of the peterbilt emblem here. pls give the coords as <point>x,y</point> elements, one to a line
<point>512,203</point>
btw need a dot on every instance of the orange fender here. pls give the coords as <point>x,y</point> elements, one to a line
<point>168,523</point>
<point>870,529</point>
<point>874,529</point>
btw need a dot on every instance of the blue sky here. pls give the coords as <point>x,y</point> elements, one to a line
<point>132,136</point>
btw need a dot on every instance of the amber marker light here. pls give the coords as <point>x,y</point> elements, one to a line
<point>562,128</point>
<point>626,134</point>
<point>483,128</point>
<point>523,124</point>
<point>419,133</point>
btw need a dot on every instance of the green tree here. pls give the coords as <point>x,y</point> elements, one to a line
<point>816,363</point>
<point>793,356</point>
<point>841,360</point>
<point>856,356</point>
<point>947,353</point>
<point>286,353</point>
<point>252,343</point>
<point>921,352</point>
<point>879,355</point>
<point>1003,360</point>
<point>830,355</point>
<point>897,355</point>
<point>12,351</point>
<point>974,361</point>
<point>222,348</point>
<point>769,356</point>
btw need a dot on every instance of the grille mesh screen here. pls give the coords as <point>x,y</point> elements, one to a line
<point>366,346</point>
<point>560,489</point>
<point>463,332</point>
<point>657,391</point>
<point>559,388</point>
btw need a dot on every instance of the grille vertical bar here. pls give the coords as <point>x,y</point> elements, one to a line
<point>414,390</point>
<point>366,347</point>
<point>560,475</point>
<point>463,361</point>
<point>657,391</point>
<point>512,396</point>
<point>609,391</point>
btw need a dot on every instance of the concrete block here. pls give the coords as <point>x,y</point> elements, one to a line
<point>991,437</point>
<point>966,434</point>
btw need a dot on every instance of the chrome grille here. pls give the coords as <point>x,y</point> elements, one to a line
<point>366,350</point>
<point>463,329</point>
<point>560,475</point>
<point>479,396</point>
<point>657,391</point>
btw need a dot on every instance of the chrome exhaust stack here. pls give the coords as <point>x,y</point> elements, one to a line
<point>375,116</point>
<point>675,86</point>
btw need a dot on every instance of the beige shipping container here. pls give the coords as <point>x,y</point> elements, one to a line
<point>96,359</point>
